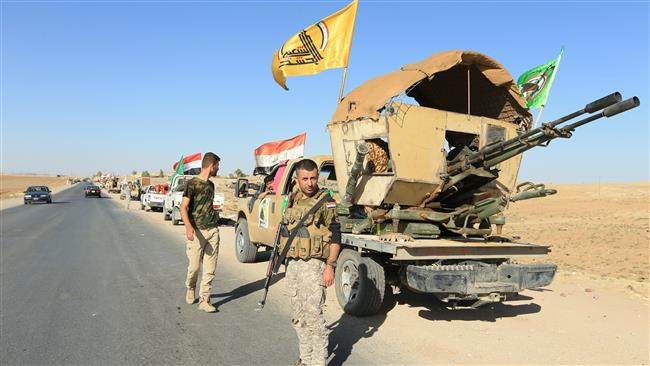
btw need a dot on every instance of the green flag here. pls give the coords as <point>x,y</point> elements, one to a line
<point>180,169</point>
<point>535,84</point>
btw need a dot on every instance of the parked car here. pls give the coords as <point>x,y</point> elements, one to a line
<point>92,190</point>
<point>151,199</point>
<point>38,194</point>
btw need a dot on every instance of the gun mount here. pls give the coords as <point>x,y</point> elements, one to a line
<point>452,159</point>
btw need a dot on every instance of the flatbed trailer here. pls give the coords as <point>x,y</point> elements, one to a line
<point>432,249</point>
<point>458,271</point>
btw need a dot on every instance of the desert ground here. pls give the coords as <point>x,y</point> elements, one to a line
<point>600,230</point>
<point>12,186</point>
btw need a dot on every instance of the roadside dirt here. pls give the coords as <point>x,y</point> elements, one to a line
<point>582,318</point>
<point>12,186</point>
<point>598,230</point>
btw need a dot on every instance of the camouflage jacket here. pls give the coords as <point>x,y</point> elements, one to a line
<point>201,196</point>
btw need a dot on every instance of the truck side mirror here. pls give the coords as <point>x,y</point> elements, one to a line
<point>241,188</point>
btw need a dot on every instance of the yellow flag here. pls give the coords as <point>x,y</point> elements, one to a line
<point>321,46</point>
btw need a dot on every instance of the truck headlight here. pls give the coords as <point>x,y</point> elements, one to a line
<point>28,196</point>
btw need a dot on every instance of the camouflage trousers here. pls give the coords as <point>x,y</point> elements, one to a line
<point>204,249</point>
<point>305,284</point>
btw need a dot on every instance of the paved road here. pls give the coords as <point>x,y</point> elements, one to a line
<point>85,283</point>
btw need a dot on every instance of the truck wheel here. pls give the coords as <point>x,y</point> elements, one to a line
<point>245,251</point>
<point>360,283</point>
<point>176,220</point>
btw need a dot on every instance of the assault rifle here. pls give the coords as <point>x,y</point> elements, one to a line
<point>272,267</point>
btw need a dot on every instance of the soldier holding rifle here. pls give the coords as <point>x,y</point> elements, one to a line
<point>309,236</point>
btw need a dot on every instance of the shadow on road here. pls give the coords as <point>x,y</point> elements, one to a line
<point>348,330</point>
<point>244,290</point>
<point>436,310</point>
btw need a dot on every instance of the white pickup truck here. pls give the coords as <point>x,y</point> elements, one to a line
<point>172,205</point>
<point>150,199</point>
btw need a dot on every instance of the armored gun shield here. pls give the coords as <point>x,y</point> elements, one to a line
<point>465,101</point>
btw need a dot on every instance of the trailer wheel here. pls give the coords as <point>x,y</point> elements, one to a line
<point>360,283</point>
<point>245,251</point>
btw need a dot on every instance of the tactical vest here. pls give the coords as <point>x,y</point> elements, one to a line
<point>313,238</point>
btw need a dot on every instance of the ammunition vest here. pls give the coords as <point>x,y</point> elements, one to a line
<point>313,237</point>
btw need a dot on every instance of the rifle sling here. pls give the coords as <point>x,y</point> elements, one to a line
<point>294,232</point>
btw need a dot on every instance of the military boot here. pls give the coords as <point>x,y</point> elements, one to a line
<point>189,296</point>
<point>205,305</point>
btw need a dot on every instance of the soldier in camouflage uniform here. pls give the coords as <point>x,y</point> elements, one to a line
<point>200,220</point>
<point>311,262</point>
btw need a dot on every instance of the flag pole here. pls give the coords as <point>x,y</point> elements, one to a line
<point>557,67</point>
<point>345,69</point>
<point>539,115</point>
<point>345,74</point>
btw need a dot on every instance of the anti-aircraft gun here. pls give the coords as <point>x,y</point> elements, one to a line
<point>423,185</point>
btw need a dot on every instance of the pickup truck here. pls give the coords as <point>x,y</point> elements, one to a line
<point>473,271</point>
<point>150,199</point>
<point>172,204</point>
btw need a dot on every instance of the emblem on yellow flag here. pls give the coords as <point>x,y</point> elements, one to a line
<point>321,46</point>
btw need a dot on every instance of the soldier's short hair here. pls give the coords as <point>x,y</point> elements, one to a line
<point>306,164</point>
<point>209,158</point>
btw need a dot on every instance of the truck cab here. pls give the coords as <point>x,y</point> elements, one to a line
<point>259,215</point>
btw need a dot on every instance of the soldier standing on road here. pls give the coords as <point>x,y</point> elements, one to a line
<point>127,195</point>
<point>200,220</point>
<point>311,263</point>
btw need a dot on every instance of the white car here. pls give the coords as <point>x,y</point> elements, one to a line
<point>172,206</point>
<point>150,199</point>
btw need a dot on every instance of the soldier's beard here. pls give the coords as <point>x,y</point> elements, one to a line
<point>307,191</point>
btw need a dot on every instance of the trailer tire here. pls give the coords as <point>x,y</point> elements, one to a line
<point>360,283</point>
<point>245,251</point>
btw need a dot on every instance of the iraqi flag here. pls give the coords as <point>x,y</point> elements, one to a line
<point>271,153</point>
<point>191,164</point>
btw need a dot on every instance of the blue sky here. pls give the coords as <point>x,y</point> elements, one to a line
<point>132,85</point>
